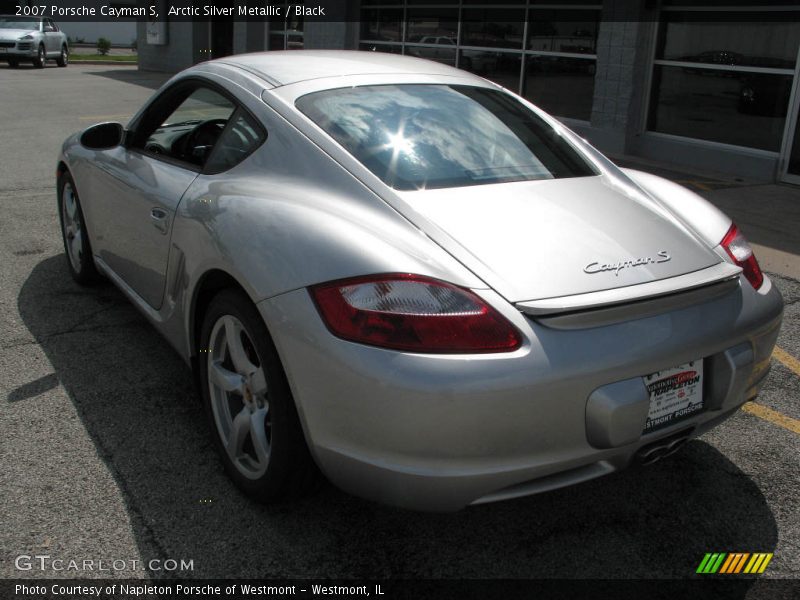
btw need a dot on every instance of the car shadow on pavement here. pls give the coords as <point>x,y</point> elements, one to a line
<point>148,79</point>
<point>136,401</point>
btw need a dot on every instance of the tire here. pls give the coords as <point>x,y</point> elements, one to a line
<point>63,58</point>
<point>77,248</point>
<point>244,390</point>
<point>41,58</point>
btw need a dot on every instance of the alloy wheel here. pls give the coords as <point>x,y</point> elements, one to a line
<point>73,229</point>
<point>239,397</point>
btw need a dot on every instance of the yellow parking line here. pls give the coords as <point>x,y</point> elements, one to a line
<point>773,416</point>
<point>788,361</point>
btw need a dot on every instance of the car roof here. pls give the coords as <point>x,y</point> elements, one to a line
<point>291,66</point>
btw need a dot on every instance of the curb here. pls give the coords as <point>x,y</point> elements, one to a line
<point>114,63</point>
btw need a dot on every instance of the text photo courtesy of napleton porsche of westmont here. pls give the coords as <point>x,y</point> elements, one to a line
<point>400,299</point>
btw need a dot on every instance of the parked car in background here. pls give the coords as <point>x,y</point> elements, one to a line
<point>477,61</point>
<point>443,51</point>
<point>33,39</point>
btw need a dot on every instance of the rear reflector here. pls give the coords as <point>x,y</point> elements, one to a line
<point>413,313</point>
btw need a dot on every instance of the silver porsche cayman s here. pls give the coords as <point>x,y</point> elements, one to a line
<point>412,280</point>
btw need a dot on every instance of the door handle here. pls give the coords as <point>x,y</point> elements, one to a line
<point>158,217</point>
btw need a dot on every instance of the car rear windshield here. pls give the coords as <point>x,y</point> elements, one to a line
<point>423,136</point>
<point>18,23</point>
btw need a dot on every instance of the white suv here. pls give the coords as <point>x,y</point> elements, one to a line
<point>34,39</point>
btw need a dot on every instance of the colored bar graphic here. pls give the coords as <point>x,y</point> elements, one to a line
<point>727,564</point>
<point>767,558</point>
<point>730,563</point>
<point>755,562</point>
<point>703,563</point>
<point>740,564</point>
<point>712,559</point>
<point>734,563</point>
<point>717,564</point>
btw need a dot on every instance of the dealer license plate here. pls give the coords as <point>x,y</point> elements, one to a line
<point>675,394</point>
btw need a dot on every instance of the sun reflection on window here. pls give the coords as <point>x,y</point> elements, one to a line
<point>400,143</point>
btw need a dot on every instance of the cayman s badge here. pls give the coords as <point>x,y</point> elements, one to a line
<point>661,257</point>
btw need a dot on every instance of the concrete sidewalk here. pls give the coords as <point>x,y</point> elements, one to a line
<point>767,213</point>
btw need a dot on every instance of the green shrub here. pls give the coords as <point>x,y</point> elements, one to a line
<point>103,45</point>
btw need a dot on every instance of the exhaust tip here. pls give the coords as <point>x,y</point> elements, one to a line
<point>662,448</point>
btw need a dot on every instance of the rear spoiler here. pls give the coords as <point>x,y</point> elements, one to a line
<point>701,283</point>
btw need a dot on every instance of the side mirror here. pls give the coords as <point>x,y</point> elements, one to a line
<point>103,136</point>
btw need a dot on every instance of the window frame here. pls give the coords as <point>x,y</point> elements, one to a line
<point>278,27</point>
<point>527,7</point>
<point>192,83</point>
<point>261,132</point>
<point>654,62</point>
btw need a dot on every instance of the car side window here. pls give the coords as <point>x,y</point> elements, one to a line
<point>48,26</point>
<point>242,136</point>
<point>187,132</point>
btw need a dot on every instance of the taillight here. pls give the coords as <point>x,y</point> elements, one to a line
<point>738,248</point>
<point>413,313</point>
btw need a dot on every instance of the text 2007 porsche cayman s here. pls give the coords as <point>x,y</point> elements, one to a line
<point>412,280</point>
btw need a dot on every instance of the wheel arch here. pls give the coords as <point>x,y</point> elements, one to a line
<point>61,169</point>
<point>209,285</point>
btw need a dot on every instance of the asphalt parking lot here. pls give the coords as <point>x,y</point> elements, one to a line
<point>106,453</point>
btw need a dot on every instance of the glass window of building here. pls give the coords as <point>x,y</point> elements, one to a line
<point>724,75</point>
<point>493,27</point>
<point>286,33</point>
<point>382,24</point>
<point>431,25</point>
<point>545,51</point>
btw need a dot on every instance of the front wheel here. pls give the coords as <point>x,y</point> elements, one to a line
<point>73,232</point>
<point>41,58</point>
<point>249,404</point>
<point>63,58</point>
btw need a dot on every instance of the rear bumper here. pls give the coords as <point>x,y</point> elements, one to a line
<point>436,432</point>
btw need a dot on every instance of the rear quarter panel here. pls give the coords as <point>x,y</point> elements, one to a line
<point>288,217</point>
